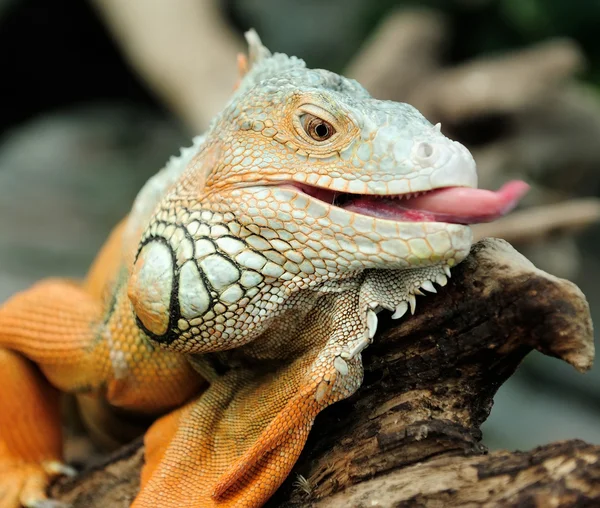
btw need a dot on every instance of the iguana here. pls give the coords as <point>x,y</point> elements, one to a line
<point>233,303</point>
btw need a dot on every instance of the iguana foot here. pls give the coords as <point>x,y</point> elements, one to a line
<point>24,484</point>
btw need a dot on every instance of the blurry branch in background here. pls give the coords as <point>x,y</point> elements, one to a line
<point>402,61</point>
<point>499,85</point>
<point>184,50</point>
<point>537,223</point>
<point>402,54</point>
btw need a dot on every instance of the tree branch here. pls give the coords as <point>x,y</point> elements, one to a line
<point>185,51</point>
<point>539,222</point>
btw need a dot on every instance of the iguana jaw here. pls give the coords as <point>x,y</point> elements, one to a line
<point>455,205</point>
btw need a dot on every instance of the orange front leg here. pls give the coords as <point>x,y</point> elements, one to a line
<point>30,432</point>
<point>51,325</point>
<point>188,451</point>
<point>236,444</point>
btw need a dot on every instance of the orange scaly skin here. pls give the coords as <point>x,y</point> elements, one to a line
<point>231,302</point>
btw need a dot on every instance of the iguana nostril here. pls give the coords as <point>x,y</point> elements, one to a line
<point>424,150</point>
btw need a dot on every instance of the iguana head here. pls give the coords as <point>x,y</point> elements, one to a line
<point>371,182</point>
<point>305,178</point>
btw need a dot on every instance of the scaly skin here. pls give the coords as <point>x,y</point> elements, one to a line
<point>234,271</point>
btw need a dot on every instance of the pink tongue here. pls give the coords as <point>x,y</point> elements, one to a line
<point>471,205</point>
<point>459,205</point>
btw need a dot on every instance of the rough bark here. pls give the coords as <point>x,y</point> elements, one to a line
<point>411,435</point>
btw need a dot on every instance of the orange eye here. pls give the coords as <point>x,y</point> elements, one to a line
<point>316,128</point>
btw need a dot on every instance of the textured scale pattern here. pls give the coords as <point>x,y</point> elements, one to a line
<point>233,303</point>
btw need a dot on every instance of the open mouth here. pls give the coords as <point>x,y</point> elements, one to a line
<point>456,205</point>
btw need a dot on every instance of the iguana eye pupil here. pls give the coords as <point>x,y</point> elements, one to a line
<point>322,130</point>
<point>317,128</point>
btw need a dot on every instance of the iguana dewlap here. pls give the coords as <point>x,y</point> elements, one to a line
<point>237,296</point>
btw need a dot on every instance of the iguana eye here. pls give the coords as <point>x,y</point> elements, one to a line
<point>317,128</point>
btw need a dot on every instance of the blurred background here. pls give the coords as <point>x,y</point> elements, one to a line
<point>96,95</point>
